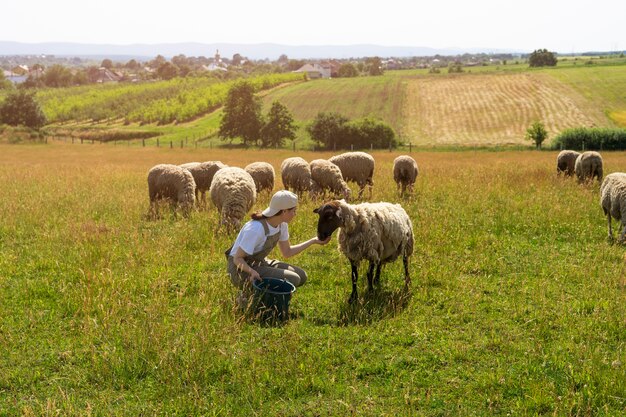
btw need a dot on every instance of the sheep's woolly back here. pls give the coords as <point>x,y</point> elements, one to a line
<point>588,165</point>
<point>233,192</point>
<point>263,175</point>
<point>613,195</point>
<point>377,232</point>
<point>203,173</point>
<point>405,170</point>
<point>296,174</point>
<point>327,176</point>
<point>356,166</point>
<point>171,182</point>
<point>565,162</point>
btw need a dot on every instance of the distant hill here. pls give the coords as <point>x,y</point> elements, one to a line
<point>252,51</point>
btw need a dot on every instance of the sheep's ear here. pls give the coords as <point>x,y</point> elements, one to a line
<point>317,210</point>
<point>339,214</point>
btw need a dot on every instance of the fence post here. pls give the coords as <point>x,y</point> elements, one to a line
<point>294,145</point>
<point>143,142</point>
<point>171,145</point>
<point>81,141</point>
<point>410,147</point>
<point>157,142</point>
<point>181,144</point>
<point>372,146</point>
<point>196,143</point>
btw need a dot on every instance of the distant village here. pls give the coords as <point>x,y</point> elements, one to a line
<point>53,71</point>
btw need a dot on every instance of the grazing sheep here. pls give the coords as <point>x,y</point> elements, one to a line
<point>357,167</point>
<point>263,175</point>
<point>377,232</point>
<point>565,162</point>
<point>233,192</point>
<point>613,201</point>
<point>588,165</point>
<point>296,174</point>
<point>173,183</point>
<point>404,173</point>
<point>327,176</point>
<point>203,173</point>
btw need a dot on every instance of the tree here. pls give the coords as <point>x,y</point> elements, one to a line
<point>236,61</point>
<point>537,133</point>
<point>107,63</point>
<point>21,108</point>
<point>57,76</point>
<point>132,65</point>
<point>279,126</point>
<point>167,71</point>
<point>242,114</point>
<point>542,58</point>
<point>347,70</point>
<point>328,129</point>
<point>374,66</point>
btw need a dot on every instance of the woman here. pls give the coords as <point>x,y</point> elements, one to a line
<point>247,260</point>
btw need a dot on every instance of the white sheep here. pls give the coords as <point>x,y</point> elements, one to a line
<point>203,173</point>
<point>357,167</point>
<point>588,165</point>
<point>377,232</point>
<point>263,175</point>
<point>405,173</point>
<point>296,174</point>
<point>565,162</point>
<point>613,201</point>
<point>173,183</point>
<point>327,176</point>
<point>233,192</point>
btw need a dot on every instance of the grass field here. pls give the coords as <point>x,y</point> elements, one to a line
<point>516,305</point>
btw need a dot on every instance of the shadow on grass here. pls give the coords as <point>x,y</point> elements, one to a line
<point>370,307</point>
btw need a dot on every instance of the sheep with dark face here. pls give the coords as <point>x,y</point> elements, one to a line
<point>377,232</point>
<point>357,167</point>
<point>263,175</point>
<point>203,173</point>
<point>327,176</point>
<point>172,183</point>
<point>565,162</point>
<point>405,173</point>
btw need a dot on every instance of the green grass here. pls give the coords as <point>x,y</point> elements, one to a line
<point>516,305</point>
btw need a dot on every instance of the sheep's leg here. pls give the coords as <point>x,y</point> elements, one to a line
<point>377,276</point>
<point>355,278</point>
<point>370,276</point>
<point>608,219</point>
<point>407,277</point>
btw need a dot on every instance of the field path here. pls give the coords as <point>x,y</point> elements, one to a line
<point>480,109</point>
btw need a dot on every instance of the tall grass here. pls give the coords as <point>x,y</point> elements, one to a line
<point>516,305</point>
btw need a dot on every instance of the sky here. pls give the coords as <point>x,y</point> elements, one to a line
<point>524,25</point>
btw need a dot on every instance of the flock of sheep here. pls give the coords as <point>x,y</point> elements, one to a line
<point>376,232</point>
<point>589,166</point>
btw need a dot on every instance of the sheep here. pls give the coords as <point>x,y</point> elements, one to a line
<point>613,201</point>
<point>173,183</point>
<point>296,174</point>
<point>377,232</point>
<point>565,162</point>
<point>404,173</point>
<point>327,176</point>
<point>233,192</point>
<point>203,173</point>
<point>357,167</point>
<point>263,175</point>
<point>588,165</point>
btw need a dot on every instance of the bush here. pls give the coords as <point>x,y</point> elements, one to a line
<point>21,109</point>
<point>334,131</point>
<point>594,138</point>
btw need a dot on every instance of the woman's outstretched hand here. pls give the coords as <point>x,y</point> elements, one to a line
<point>322,242</point>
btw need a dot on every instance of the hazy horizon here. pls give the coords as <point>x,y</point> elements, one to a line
<point>559,25</point>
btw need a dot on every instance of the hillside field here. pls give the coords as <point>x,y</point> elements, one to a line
<point>516,305</point>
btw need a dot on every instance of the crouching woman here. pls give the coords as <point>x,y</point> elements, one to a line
<point>247,258</point>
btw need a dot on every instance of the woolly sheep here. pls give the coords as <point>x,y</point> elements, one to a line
<point>327,176</point>
<point>588,165</point>
<point>233,192</point>
<point>357,167</point>
<point>173,183</point>
<point>203,173</point>
<point>405,172</point>
<point>613,201</point>
<point>565,162</point>
<point>296,174</point>
<point>263,175</point>
<point>377,232</point>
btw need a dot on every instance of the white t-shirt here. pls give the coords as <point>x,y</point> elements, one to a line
<point>251,237</point>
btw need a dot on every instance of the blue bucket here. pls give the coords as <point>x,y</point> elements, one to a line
<point>271,298</point>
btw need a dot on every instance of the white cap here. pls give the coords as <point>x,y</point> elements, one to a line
<point>282,200</point>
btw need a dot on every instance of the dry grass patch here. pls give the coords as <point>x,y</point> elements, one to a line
<point>492,109</point>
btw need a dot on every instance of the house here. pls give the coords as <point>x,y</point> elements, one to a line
<point>107,76</point>
<point>217,64</point>
<point>315,71</point>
